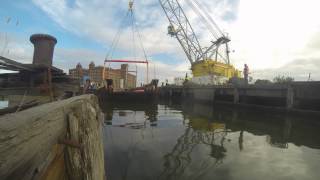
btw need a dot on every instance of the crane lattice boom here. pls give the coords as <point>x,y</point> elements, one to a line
<point>181,28</point>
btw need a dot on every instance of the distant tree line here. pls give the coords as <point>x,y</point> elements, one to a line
<point>276,80</point>
<point>283,79</point>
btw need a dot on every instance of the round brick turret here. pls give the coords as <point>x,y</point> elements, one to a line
<point>43,49</point>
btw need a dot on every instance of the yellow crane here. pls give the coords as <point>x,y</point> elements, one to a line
<point>212,61</point>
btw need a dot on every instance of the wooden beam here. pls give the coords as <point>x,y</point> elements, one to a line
<point>30,146</point>
<point>18,108</point>
<point>8,62</point>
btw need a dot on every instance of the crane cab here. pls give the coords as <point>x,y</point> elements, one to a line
<point>171,31</point>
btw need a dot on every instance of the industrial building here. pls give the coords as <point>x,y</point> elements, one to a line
<point>40,81</point>
<point>122,79</point>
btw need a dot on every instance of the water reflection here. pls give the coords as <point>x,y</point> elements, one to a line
<point>123,110</point>
<point>279,128</point>
<point>3,102</point>
<point>195,141</point>
<point>211,135</point>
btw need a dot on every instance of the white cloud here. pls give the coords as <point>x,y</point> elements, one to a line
<point>269,34</point>
<point>266,34</point>
<point>165,71</point>
<point>274,37</point>
<point>100,20</point>
<point>299,69</point>
<point>16,47</point>
<point>21,50</point>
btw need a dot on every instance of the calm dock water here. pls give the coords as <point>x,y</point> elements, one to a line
<point>192,141</point>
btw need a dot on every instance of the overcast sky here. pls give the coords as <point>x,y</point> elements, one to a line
<point>274,37</point>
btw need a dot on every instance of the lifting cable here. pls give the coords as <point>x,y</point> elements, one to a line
<point>134,28</point>
<point>140,38</point>
<point>202,19</point>
<point>205,11</point>
<point>126,22</point>
<point>116,39</point>
<point>205,18</point>
<point>211,25</point>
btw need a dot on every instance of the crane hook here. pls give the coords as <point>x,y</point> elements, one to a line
<point>130,5</point>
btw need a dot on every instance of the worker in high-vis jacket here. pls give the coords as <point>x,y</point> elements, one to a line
<point>246,73</point>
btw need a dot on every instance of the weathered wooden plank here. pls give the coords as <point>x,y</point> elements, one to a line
<point>86,162</point>
<point>13,109</point>
<point>28,138</point>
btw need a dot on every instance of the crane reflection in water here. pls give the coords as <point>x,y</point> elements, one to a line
<point>194,141</point>
<point>198,132</point>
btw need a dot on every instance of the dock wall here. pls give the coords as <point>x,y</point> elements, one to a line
<point>299,95</point>
<point>59,140</point>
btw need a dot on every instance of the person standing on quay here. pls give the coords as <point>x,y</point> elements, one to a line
<point>87,88</point>
<point>246,74</point>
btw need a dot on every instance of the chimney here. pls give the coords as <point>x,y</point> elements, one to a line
<point>43,49</point>
<point>124,74</point>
